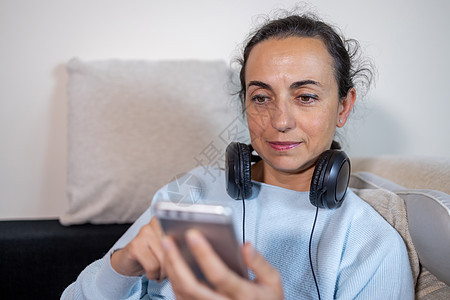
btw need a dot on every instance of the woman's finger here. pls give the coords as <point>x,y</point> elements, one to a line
<point>154,243</point>
<point>218,274</point>
<point>183,281</point>
<point>137,257</point>
<point>265,273</point>
<point>145,248</point>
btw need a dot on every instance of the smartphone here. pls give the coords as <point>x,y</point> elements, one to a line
<point>213,221</point>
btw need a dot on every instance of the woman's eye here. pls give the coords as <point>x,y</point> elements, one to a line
<point>307,98</point>
<point>259,99</point>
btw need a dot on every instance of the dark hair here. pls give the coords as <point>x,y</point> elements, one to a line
<point>345,53</point>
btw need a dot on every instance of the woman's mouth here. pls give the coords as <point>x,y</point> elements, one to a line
<point>283,146</point>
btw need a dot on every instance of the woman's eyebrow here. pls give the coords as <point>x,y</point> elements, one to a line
<point>259,84</point>
<point>294,85</point>
<point>301,83</point>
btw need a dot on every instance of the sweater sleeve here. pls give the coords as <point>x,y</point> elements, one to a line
<point>380,271</point>
<point>100,281</point>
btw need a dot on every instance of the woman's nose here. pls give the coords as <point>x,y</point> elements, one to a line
<point>282,117</point>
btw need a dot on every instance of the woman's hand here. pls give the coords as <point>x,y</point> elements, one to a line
<point>143,255</point>
<point>225,283</point>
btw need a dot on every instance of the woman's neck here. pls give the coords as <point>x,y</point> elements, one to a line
<point>300,181</point>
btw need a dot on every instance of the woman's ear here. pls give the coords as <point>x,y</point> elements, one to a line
<point>345,107</point>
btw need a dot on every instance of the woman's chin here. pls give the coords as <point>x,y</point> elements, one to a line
<point>290,167</point>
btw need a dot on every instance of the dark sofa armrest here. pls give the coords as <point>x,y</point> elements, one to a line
<point>40,258</point>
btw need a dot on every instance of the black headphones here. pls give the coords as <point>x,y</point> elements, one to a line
<point>328,184</point>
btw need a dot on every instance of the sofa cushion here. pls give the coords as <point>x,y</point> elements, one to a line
<point>414,172</point>
<point>135,125</point>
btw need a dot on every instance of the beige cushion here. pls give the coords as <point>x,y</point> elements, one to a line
<point>412,172</point>
<point>428,287</point>
<point>134,125</point>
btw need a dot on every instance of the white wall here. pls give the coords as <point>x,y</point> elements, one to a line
<point>406,113</point>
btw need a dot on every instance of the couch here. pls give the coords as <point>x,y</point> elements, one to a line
<point>39,258</point>
<point>124,143</point>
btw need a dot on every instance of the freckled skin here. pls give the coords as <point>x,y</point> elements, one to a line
<point>304,115</point>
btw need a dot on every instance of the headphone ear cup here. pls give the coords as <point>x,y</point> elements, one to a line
<point>315,190</point>
<point>238,171</point>
<point>330,179</point>
<point>246,176</point>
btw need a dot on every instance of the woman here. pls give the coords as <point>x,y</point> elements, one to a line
<point>297,85</point>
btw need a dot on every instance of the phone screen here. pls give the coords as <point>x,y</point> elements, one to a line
<point>213,221</point>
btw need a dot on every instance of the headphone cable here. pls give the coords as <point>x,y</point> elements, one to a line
<point>310,238</point>
<point>310,259</point>
<point>243,216</point>
<point>243,220</point>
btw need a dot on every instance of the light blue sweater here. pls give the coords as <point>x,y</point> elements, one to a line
<point>356,253</point>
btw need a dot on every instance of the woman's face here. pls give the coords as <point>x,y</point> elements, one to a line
<point>292,102</point>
